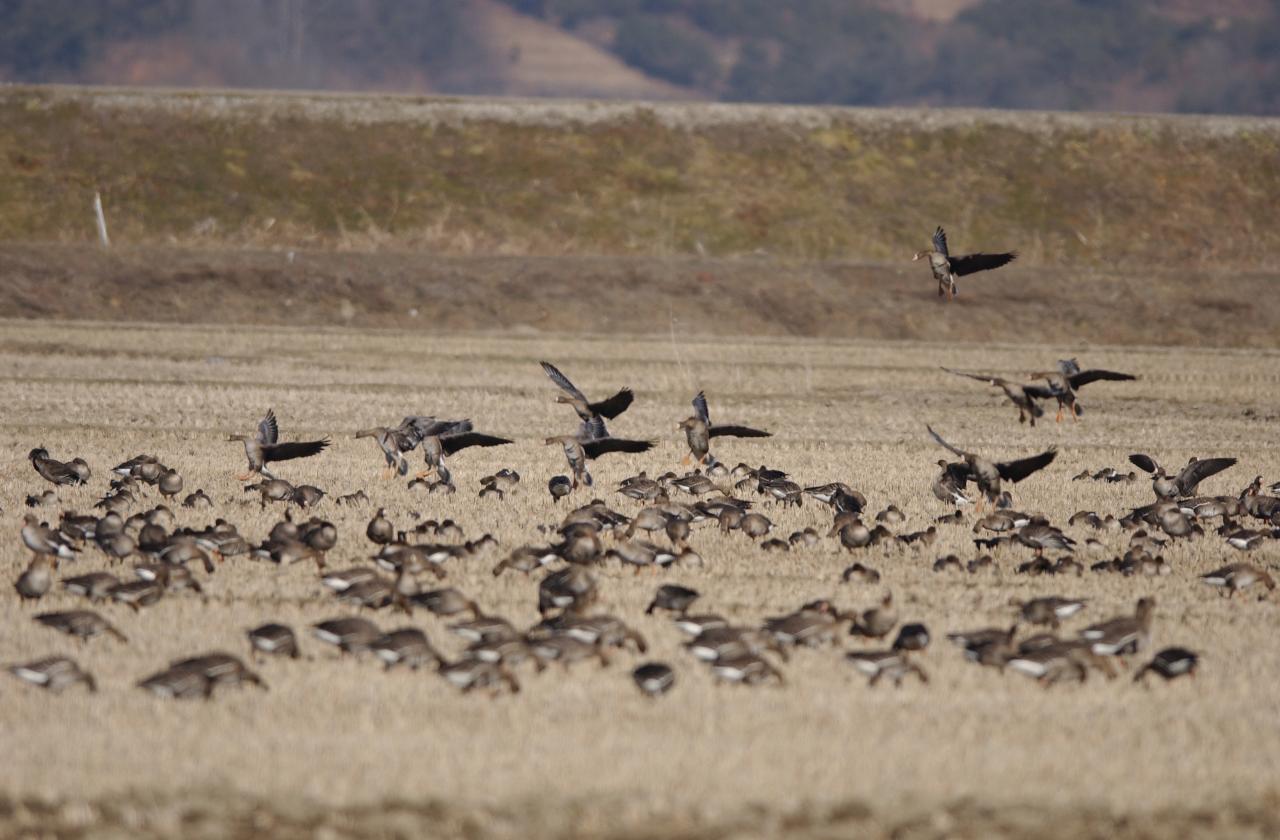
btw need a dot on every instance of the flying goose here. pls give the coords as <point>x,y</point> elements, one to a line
<point>1022,396</point>
<point>1068,378</point>
<point>263,447</point>
<point>947,268</point>
<point>591,442</point>
<point>988,474</point>
<point>585,410</point>
<point>699,430</point>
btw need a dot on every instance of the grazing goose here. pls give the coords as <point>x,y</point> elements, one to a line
<point>469,674</point>
<point>1022,396</point>
<point>1238,577</point>
<point>1040,535</point>
<point>748,669</point>
<point>1170,663</point>
<point>96,586</point>
<point>179,684</point>
<point>406,646</point>
<point>1185,482</point>
<point>83,624</point>
<point>947,268</point>
<point>263,447</point>
<point>585,410</point>
<point>988,474</point>
<point>220,669</point>
<point>54,673</point>
<point>590,443</point>
<point>989,646</point>
<point>1063,383</point>
<point>446,602</point>
<point>672,598</point>
<point>71,473</point>
<point>885,664</point>
<point>274,640</point>
<point>1123,635</point>
<point>698,431</point>
<point>654,678</point>
<point>1051,610</point>
<point>350,635</point>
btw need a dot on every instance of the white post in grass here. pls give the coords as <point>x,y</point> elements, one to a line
<point>102,220</point>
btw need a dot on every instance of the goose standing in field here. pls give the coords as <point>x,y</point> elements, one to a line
<point>264,446</point>
<point>1185,482</point>
<point>54,673</point>
<point>43,540</point>
<point>988,474</point>
<point>699,430</point>
<point>71,473</point>
<point>1063,383</point>
<point>590,443</point>
<point>1170,663</point>
<point>1238,577</point>
<point>947,268</point>
<point>586,410</point>
<point>1126,634</point>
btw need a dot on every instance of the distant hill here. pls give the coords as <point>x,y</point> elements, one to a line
<point>1128,55</point>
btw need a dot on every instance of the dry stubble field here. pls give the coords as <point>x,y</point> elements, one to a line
<point>337,744</point>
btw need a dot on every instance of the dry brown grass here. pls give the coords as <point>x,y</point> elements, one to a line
<point>582,754</point>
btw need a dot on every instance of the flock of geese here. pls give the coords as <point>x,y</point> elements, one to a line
<point>663,515</point>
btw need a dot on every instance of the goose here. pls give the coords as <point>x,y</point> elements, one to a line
<point>350,635</point>
<point>1237,577</point>
<point>1063,383</point>
<point>72,473</point>
<point>586,410</point>
<point>1123,635</point>
<point>1050,610</point>
<point>263,447</point>
<point>672,597</point>
<point>1188,478</point>
<point>590,443</point>
<point>988,474</point>
<point>54,673</point>
<point>83,624</point>
<point>749,669</point>
<point>45,541</point>
<point>1170,663</point>
<point>274,640</point>
<point>947,268</point>
<point>406,646</point>
<point>654,678</point>
<point>1022,396</point>
<point>699,430</point>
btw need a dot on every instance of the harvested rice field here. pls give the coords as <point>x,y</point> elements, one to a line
<point>339,746</point>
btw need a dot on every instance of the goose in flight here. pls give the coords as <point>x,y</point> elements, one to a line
<point>264,446</point>
<point>947,268</point>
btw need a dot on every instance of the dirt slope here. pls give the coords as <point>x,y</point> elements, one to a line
<point>636,295</point>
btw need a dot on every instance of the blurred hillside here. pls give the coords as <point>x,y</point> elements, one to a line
<point>1144,55</point>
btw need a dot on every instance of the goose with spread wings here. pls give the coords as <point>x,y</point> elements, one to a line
<point>585,409</point>
<point>1023,396</point>
<point>1062,384</point>
<point>264,446</point>
<point>441,438</point>
<point>592,441</point>
<point>1188,478</point>
<point>393,442</point>
<point>988,474</point>
<point>947,268</point>
<point>698,431</point>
